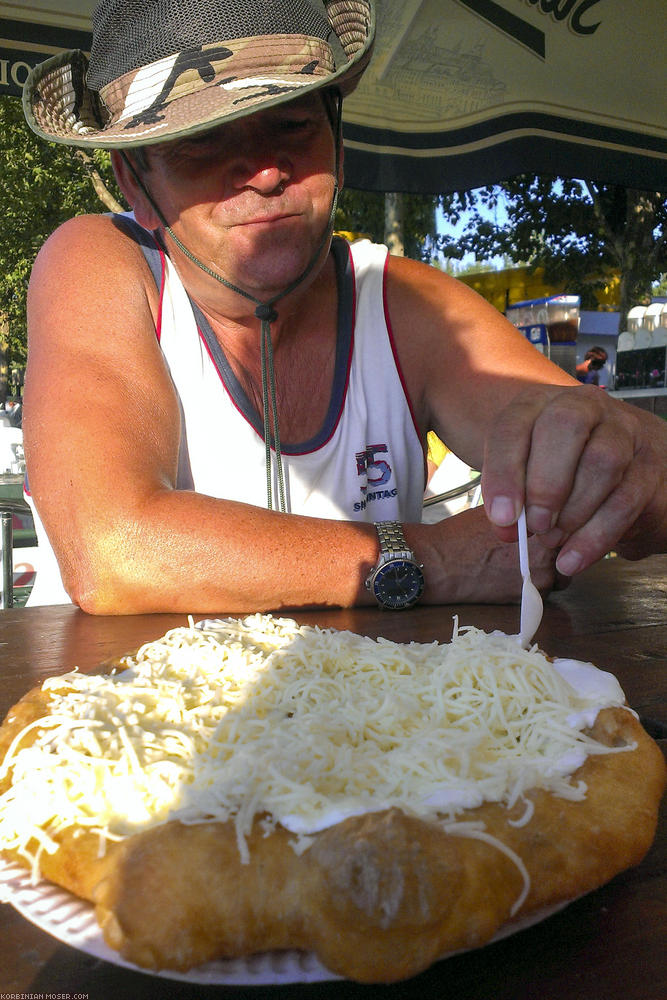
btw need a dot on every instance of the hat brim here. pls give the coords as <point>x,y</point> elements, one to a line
<point>174,103</point>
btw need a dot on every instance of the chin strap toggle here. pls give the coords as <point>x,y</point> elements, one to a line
<point>266,313</point>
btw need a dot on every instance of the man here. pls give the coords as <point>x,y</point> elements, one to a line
<point>243,400</point>
<point>589,370</point>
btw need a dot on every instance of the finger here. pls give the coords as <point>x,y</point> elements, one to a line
<point>506,452</point>
<point>532,453</point>
<point>576,459</point>
<point>606,457</point>
<point>542,566</point>
<point>613,518</point>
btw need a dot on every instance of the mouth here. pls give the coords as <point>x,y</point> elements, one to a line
<point>268,219</point>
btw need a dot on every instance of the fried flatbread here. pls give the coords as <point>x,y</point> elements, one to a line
<point>378,897</point>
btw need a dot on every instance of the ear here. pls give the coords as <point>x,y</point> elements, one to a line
<point>137,198</point>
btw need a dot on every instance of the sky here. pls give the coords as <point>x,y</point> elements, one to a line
<point>446,227</point>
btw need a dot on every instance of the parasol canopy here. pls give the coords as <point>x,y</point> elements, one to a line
<point>462,93</point>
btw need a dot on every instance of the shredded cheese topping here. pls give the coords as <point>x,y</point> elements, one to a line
<point>302,726</point>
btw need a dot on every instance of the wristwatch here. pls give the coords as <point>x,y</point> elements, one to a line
<point>397,580</point>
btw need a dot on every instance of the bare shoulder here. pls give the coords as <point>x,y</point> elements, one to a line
<point>93,356</point>
<point>439,316</point>
<point>92,313</point>
<point>89,262</point>
<point>415,288</point>
<point>438,323</point>
<point>85,236</point>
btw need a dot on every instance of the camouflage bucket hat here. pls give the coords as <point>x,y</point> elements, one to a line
<point>163,69</point>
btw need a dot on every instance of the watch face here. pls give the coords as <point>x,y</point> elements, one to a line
<point>398,584</point>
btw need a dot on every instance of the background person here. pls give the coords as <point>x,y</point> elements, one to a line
<point>589,370</point>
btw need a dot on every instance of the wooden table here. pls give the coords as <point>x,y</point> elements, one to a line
<point>609,945</point>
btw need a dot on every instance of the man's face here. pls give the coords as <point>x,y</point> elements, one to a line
<point>252,196</point>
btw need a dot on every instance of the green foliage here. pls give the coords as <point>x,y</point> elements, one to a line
<point>41,185</point>
<point>580,232</point>
<point>363,212</point>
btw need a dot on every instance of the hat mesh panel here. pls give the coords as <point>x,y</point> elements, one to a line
<point>129,34</point>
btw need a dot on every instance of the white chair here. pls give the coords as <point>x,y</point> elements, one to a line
<point>11,449</point>
<point>455,486</point>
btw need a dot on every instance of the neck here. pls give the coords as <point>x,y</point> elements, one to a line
<point>308,311</point>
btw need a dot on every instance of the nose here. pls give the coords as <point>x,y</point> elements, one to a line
<point>264,175</point>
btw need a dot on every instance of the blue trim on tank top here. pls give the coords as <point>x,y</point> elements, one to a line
<point>345,286</point>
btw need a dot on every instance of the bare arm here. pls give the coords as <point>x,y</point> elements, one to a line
<point>591,470</point>
<point>102,432</point>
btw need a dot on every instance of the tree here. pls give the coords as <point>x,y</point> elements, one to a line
<point>41,185</point>
<point>579,231</point>
<point>409,218</point>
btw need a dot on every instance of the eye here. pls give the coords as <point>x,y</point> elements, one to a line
<point>200,145</point>
<point>300,120</point>
<point>296,124</point>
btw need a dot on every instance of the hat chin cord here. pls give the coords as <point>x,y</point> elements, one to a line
<point>266,314</point>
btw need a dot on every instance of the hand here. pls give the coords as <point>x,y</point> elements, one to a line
<point>466,562</point>
<point>591,470</point>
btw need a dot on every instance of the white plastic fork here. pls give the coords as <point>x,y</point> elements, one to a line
<point>531,599</point>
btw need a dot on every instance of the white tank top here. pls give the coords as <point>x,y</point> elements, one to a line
<point>365,464</point>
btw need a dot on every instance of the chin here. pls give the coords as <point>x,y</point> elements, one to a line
<point>272,264</point>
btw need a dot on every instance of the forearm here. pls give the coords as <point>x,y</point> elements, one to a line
<point>185,552</point>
